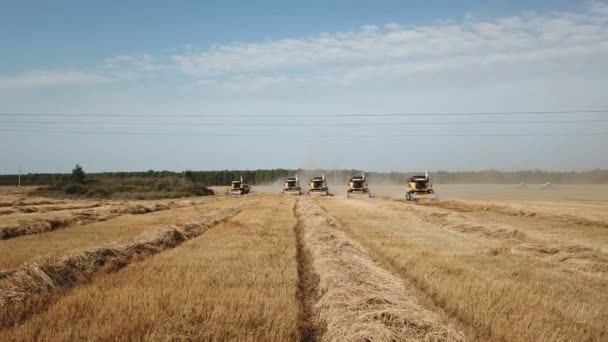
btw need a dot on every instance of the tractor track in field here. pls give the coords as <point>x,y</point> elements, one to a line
<point>308,282</point>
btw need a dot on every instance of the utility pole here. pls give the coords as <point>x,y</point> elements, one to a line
<point>19,178</point>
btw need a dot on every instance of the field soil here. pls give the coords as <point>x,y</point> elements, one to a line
<point>483,263</point>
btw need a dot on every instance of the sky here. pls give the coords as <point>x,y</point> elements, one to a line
<point>372,85</point>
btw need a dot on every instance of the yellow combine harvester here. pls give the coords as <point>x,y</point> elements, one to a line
<point>239,187</point>
<point>357,186</point>
<point>318,186</point>
<point>292,186</point>
<point>419,187</point>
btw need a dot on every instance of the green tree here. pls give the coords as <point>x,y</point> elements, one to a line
<point>78,174</point>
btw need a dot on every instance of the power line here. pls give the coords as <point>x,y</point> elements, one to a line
<point>305,136</point>
<point>312,115</point>
<point>286,124</point>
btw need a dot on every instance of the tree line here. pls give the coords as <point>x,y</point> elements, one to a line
<point>265,176</point>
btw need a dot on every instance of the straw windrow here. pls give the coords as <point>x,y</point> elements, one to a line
<point>27,289</point>
<point>83,216</point>
<point>358,300</point>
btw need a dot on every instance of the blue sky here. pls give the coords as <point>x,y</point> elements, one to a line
<point>301,58</point>
<point>71,33</point>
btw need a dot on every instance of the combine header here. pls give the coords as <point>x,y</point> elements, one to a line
<point>239,187</point>
<point>419,187</point>
<point>318,186</point>
<point>292,186</point>
<point>357,186</point>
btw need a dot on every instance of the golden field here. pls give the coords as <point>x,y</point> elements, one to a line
<point>512,266</point>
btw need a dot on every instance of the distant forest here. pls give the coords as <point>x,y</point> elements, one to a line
<point>211,178</point>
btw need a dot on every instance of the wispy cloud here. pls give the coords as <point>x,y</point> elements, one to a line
<point>389,53</point>
<point>117,68</point>
<point>39,79</point>
<point>132,67</point>
<point>138,62</point>
<point>373,53</point>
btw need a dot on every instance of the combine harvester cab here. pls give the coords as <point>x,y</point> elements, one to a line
<point>357,186</point>
<point>420,187</point>
<point>292,186</point>
<point>318,186</point>
<point>239,187</point>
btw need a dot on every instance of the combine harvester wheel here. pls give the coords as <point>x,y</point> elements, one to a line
<point>413,196</point>
<point>364,194</point>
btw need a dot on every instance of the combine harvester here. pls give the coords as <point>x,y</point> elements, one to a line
<point>318,186</point>
<point>292,186</point>
<point>357,186</point>
<point>239,187</point>
<point>420,187</point>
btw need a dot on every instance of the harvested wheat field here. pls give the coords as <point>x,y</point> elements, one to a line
<point>24,248</point>
<point>27,219</point>
<point>266,267</point>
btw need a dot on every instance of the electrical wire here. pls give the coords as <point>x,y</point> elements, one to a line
<point>286,124</point>
<point>305,136</point>
<point>311,115</point>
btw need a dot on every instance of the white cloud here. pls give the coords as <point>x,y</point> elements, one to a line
<point>131,67</point>
<point>391,52</point>
<point>39,79</point>
<point>138,62</point>
<point>598,7</point>
<point>369,28</point>
<point>392,26</point>
<point>123,67</point>
<point>395,50</point>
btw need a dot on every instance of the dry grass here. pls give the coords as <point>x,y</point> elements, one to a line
<point>235,282</point>
<point>45,221</point>
<point>362,270</point>
<point>560,223</point>
<point>59,242</point>
<point>511,209</point>
<point>23,291</point>
<point>11,196</point>
<point>43,208</point>
<point>12,200</point>
<point>496,292</point>
<point>575,245</point>
<point>359,301</point>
